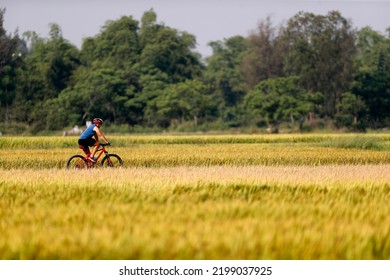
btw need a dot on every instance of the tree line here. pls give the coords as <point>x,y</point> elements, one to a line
<point>311,72</point>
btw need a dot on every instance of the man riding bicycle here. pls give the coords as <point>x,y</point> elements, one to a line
<point>90,137</point>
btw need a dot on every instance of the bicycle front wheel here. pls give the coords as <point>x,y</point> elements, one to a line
<point>112,160</point>
<point>77,162</point>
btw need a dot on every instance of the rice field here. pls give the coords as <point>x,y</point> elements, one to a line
<point>199,197</point>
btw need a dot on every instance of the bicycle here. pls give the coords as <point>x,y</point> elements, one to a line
<point>83,162</point>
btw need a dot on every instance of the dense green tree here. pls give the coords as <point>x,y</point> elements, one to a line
<point>153,83</point>
<point>351,112</point>
<point>225,77</point>
<point>170,52</point>
<point>10,62</point>
<point>52,61</point>
<point>181,102</point>
<point>321,50</point>
<point>63,59</point>
<point>370,45</point>
<point>277,100</point>
<point>224,72</point>
<point>48,70</point>
<point>117,42</point>
<point>372,81</point>
<point>99,91</point>
<point>151,57</point>
<point>149,28</point>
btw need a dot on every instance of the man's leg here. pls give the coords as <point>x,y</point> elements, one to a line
<point>95,148</point>
<point>84,147</point>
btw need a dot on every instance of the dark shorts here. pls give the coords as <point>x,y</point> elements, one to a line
<point>84,143</point>
<point>87,142</point>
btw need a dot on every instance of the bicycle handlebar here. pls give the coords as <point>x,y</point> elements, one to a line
<point>105,144</point>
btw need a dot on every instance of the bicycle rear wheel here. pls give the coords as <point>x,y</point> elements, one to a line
<point>112,160</point>
<point>77,162</point>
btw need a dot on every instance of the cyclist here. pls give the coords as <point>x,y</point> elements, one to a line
<point>90,137</point>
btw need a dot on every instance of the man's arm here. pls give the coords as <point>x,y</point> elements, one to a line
<point>100,134</point>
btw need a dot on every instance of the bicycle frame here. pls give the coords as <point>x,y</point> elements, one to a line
<point>101,150</point>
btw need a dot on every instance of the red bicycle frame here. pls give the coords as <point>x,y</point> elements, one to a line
<point>101,150</point>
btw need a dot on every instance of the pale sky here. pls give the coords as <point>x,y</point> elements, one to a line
<point>208,20</point>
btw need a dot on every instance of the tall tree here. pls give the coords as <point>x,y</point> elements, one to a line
<point>225,77</point>
<point>118,42</point>
<point>321,50</point>
<point>10,61</point>
<point>372,81</point>
<point>351,113</point>
<point>99,91</point>
<point>171,52</point>
<point>264,58</point>
<point>276,100</point>
<point>186,101</point>
<point>149,58</point>
<point>48,70</point>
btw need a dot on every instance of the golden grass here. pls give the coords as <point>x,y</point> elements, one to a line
<point>326,212</point>
<point>160,178</point>
<point>336,140</point>
<point>198,197</point>
<point>158,155</point>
